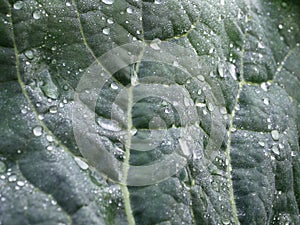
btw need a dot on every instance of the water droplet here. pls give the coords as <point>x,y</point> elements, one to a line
<point>266,101</point>
<point>53,48</point>
<point>211,50</point>
<point>157,2</point>
<point>199,92</point>
<point>2,167</point>
<point>53,109</point>
<point>110,21</point>
<point>201,78</point>
<point>275,150</point>
<point>36,15</point>
<point>167,110</point>
<point>260,45</point>
<point>262,144</point>
<point>106,31</point>
<point>222,2</point>
<point>186,101</point>
<point>49,138</point>
<point>108,2</point>
<point>155,44</point>
<point>108,124</point>
<point>284,4</point>
<point>226,221</point>
<point>18,5</point>
<point>20,183</point>
<point>275,135</point>
<point>221,71</point>
<point>293,153</point>
<point>83,165</point>
<point>280,26</point>
<point>210,107</point>
<point>129,10</point>
<point>264,86</point>
<point>29,54</point>
<point>37,131</point>
<point>12,178</point>
<point>24,111</point>
<point>133,131</point>
<point>68,4</point>
<point>223,110</point>
<point>233,129</point>
<point>49,148</point>
<point>114,86</point>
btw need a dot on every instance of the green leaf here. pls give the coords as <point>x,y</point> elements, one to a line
<point>149,112</point>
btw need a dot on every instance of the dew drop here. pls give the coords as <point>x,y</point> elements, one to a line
<point>12,178</point>
<point>20,183</point>
<point>110,21</point>
<point>37,131</point>
<point>129,10</point>
<point>36,15</point>
<point>201,78</point>
<point>155,44</point>
<point>106,31</point>
<point>210,107</point>
<point>108,124</point>
<point>53,109</point>
<point>275,150</point>
<point>266,101</point>
<point>108,2</point>
<point>49,138</point>
<point>83,165</point>
<point>199,92</point>
<point>275,135</point>
<point>262,144</point>
<point>68,4</point>
<point>133,131</point>
<point>157,2</point>
<point>2,167</point>
<point>284,4</point>
<point>18,5</point>
<point>280,26</point>
<point>29,54</point>
<point>114,86</point>
<point>264,86</point>
<point>223,110</point>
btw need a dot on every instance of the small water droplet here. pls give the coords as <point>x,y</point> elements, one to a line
<point>157,2</point>
<point>221,71</point>
<point>50,148</point>
<point>110,21</point>
<point>262,144</point>
<point>280,26</point>
<point>106,31</point>
<point>201,78</point>
<point>222,2</point>
<point>53,48</point>
<point>155,44</point>
<point>108,124</point>
<point>275,150</point>
<point>24,111</point>
<point>264,86</point>
<point>226,221</point>
<point>129,10</point>
<point>167,110</point>
<point>29,54</point>
<point>68,4</point>
<point>49,138</point>
<point>83,165</point>
<point>2,167</point>
<point>37,131</point>
<point>36,15</point>
<point>114,86</point>
<point>266,101</point>
<point>275,135</point>
<point>284,4</point>
<point>260,45</point>
<point>12,178</point>
<point>293,153</point>
<point>53,109</point>
<point>210,107</point>
<point>223,110</point>
<point>18,5</point>
<point>20,183</point>
<point>199,92</point>
<point>108,2</point>
<point>133,131</point>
